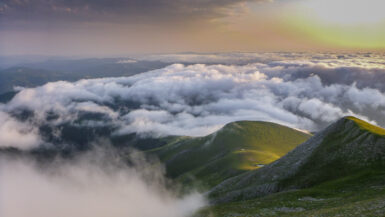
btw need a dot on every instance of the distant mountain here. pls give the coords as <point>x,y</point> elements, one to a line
<point>98,67</point>
<point>35,74</point>
<point>236,148</point>
<point>26,77</point>
<point>347,148</point>
<point>7,96</point>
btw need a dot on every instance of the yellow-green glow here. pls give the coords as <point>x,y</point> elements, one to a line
<point>341,23</point>
<point>350,37</point>
<point>346,12</point>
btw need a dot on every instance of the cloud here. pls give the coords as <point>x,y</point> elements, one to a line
<point>364,69</point>
<point>14,133</point>
<point>198,99</point>
<point>119,11</point>
<point>86,187</point>
<point>330,60</point>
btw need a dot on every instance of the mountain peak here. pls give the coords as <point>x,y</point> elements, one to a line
<point>244,124</point>
<point>236,148</point>
<point>346,147</point>
<point>366,125</point>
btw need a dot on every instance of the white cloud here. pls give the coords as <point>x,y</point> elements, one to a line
<point>327,60</point>
<point>198,99</point>
<point>14,133</point>
<point>91,185</point>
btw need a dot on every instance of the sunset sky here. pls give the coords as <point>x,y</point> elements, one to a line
<point>119,27</point>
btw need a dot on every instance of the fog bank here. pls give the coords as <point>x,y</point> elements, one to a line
<point>92,185</point>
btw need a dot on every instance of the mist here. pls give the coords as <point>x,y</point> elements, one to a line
<point>94,184</point>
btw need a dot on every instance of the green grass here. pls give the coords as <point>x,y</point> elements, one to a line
<point>344,172</point>
<point>367,126</point>
<point>252,159</point>
<point>342,153</point>
<point>361,194</point>
<point>236,148</point>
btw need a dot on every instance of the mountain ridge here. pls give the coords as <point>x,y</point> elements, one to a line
<point>237,147</point>
<point>344,143</point>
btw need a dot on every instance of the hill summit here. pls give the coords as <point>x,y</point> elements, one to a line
<point>347,147</point>
<point>236,148</point>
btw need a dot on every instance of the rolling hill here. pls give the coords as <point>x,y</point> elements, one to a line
<point>255,168</point>
<point>193,161</point>
<point>236,148</point>
<point>339,171</point>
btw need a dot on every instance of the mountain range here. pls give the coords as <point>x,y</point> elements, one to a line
<point>39,73</point>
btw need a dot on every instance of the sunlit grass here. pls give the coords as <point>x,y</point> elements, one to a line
<point>236,148</point>
<point>252,159</point>
<point>367,126</point>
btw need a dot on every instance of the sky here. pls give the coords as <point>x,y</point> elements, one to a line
<point>119,27</point>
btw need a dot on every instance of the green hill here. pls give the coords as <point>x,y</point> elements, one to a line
<point>236,148</point>
<point>362,194</point>
<point>339,171</point>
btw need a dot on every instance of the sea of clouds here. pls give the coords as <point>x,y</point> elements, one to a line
<point>304,91</point>
<point>196,98</point>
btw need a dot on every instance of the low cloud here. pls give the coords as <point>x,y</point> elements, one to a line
<point>364,69</point>
<point>198,99</point>
<point>14,133</point>
<point>92,185</point>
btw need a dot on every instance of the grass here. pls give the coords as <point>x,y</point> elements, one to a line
<point>361,194</point>
<point>342,176</point>
<point>252,159</point>
<point>367,126</point>
<point>236,148</point>
<point>342,153</point>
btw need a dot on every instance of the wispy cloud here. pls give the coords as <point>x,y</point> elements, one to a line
<point>86,187</point>
<point>14,133</point>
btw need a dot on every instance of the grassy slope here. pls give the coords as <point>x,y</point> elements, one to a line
<point>342,154</point>
<point>361,194</point>
<point>368,127</point>
<point>344,176</point>
<point>237,147</point>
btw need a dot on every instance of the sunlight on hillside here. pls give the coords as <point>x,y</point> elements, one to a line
<point>369,127</point>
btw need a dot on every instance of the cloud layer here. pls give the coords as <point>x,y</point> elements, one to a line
<point>195,100</point>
